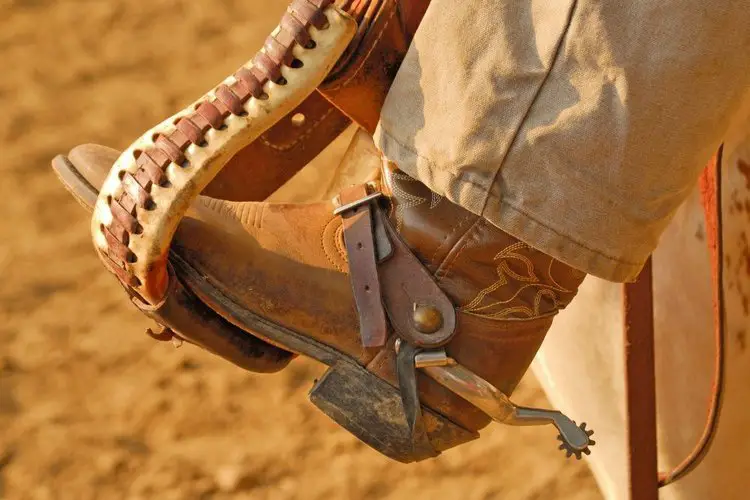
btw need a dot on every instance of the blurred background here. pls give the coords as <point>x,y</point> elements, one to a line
<point>90,407</point>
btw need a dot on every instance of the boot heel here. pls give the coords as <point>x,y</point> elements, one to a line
<point>371,409</point>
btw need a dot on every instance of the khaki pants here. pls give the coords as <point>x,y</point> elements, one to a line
<point>577,126</point>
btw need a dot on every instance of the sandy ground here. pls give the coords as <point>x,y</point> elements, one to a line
<point>92,408</point>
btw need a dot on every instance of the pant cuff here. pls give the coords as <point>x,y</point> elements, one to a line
<point>512,220</point>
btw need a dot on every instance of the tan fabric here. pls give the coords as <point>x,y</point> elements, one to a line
<point>577,126</point>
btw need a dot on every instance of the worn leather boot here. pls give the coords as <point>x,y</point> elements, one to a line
<point>427,315</point>
<point>342,281</point>
<point>353,91</point>
<point>345,281</point>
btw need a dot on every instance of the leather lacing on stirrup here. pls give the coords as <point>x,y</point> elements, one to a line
<point>170,147</point>
<point>155,178</point>
<point>391,286</point>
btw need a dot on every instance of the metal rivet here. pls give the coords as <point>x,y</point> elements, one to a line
<point>427,318</point>
<point>298,120</point>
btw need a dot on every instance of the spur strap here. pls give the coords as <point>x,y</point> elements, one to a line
<point>388,279</point>
<point>359,240</point>
<point>639,357</point>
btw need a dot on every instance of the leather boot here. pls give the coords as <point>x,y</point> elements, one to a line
<point>427,315</point>
<point>353,91</point>
<point>343,281</point>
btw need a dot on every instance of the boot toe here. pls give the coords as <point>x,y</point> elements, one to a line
<point>93,162</point>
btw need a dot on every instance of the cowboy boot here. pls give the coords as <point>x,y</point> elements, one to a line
<point>353,91</point>
<point>368,283</point>
<point>387,279</point>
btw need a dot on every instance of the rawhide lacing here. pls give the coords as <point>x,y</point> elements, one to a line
<point>187,151</point>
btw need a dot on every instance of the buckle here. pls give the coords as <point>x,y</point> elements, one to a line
<point>350,206</point>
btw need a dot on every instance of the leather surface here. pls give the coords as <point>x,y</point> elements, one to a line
<point>359,240</point>
<point>287,263</point>
<point>358,86</point>
<point>260,168</point>
<point>93,162</point>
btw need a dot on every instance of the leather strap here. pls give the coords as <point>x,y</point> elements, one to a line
<point>710,184</point>
<point>387,278</point>
<point>360,248</point>
<point>640,385</point>
<point>639,357</point>
<point>407,285</point>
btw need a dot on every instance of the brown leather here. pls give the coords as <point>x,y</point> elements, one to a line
<point>359,83</point>
<point>181,314</point>
<point>287,264</point>
<point>93,162</point>
<point>359,240</point>
<point>355,91</point>
<point>711,197</point>
<point>184,316</point>
<point>409,286</point>
<point>640,386</point>
<point>267,163</point>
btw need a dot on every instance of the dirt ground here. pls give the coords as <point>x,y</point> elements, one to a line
<point>90,407</point>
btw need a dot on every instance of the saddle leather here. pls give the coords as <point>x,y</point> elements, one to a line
<point>353,92</point>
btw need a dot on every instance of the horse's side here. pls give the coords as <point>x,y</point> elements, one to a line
<point>581,362</point>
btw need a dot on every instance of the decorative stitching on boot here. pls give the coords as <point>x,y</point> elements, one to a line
<point>411,200</point>
<point>507,276</point>
<point>337,243</point>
